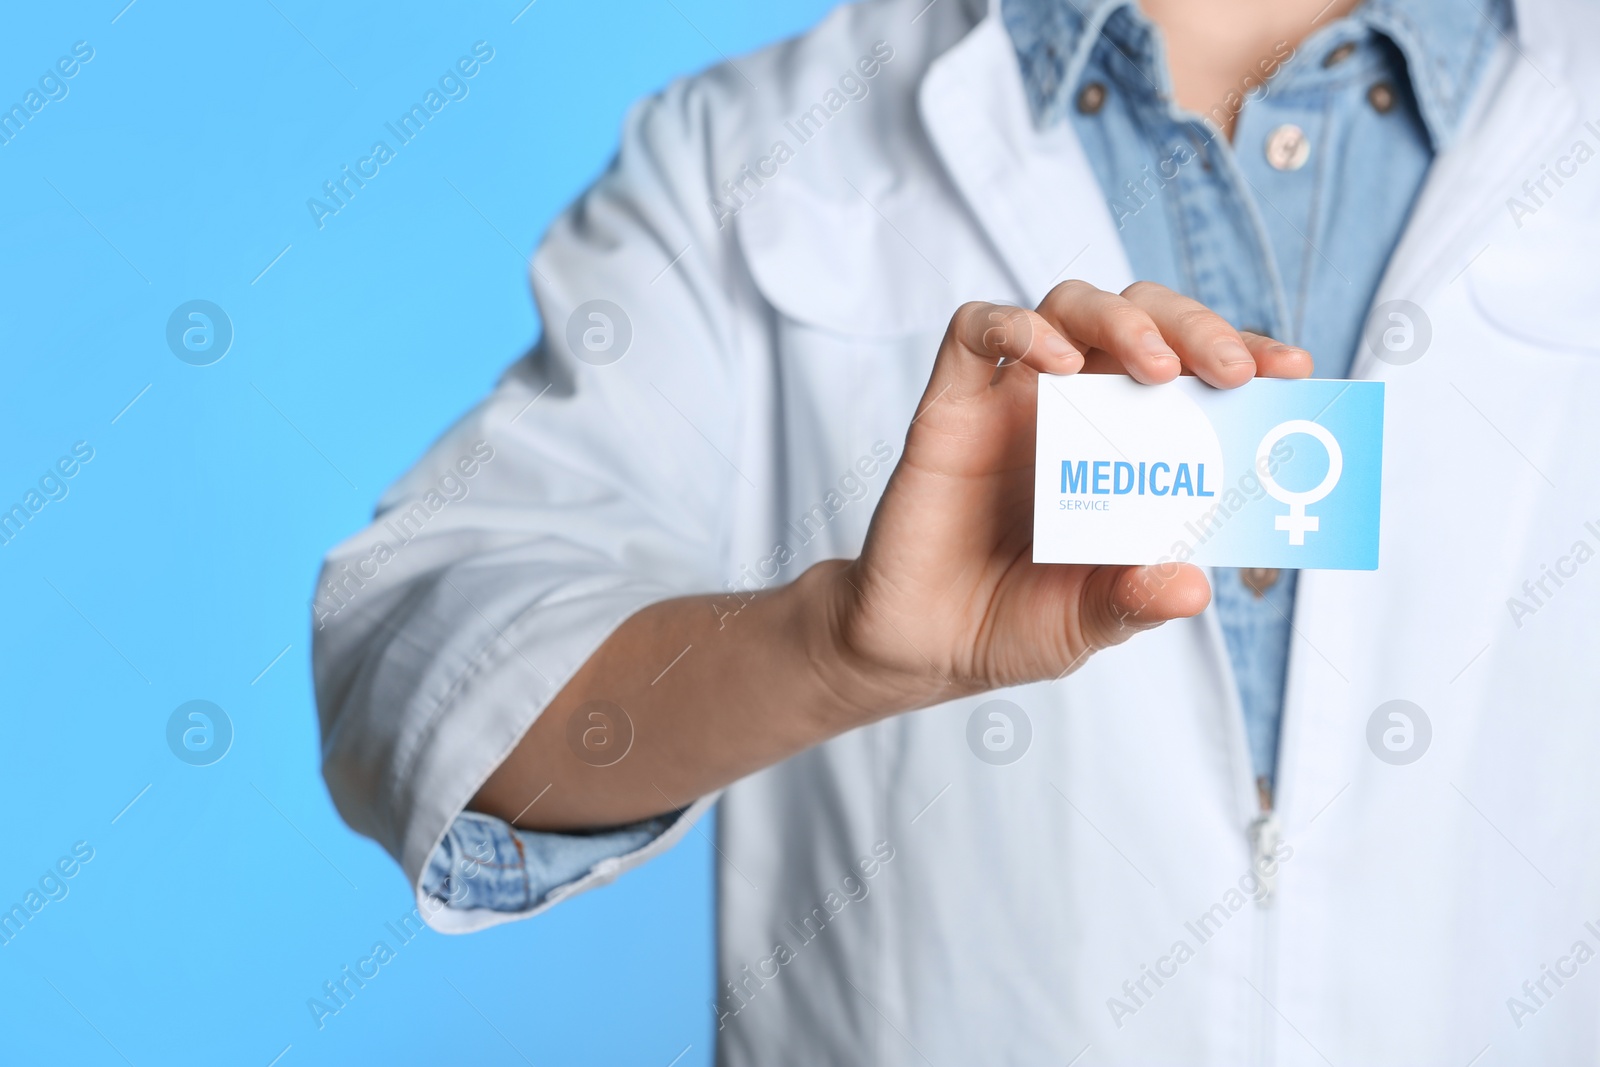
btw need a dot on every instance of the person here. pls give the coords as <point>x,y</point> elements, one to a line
<point>752,522</point>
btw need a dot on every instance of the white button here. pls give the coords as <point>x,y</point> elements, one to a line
<point>1288,147</point>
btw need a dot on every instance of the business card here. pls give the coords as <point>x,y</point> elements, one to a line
<point>1277,473</point>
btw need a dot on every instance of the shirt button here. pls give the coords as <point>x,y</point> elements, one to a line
<point>1381,97</point>
<point>1091,98</point>
<point>1339,55</point>
<point>1258,579</point>
<point>1288,147</point>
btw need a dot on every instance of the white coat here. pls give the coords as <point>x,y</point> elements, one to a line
<point>1426,913</point>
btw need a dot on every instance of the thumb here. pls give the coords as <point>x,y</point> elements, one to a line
<point>1118,602</point>
<point>983,338</point>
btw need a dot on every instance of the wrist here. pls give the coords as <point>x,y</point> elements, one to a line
<point>852,688</point>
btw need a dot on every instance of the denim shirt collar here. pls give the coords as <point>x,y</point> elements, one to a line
<point>1446,44</point>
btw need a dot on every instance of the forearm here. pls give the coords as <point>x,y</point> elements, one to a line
<point>712,694</point>
<point>944,601</point>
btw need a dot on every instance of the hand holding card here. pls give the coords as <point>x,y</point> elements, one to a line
<point>951,595</point>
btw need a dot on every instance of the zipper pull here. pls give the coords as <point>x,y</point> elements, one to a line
<point>1265,834</point>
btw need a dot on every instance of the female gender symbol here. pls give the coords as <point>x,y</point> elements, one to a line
<point>1297,522</point>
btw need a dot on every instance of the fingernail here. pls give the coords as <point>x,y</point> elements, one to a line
<point>1233,353</point>
<point>1153,346</point>
<point>1058,347</point>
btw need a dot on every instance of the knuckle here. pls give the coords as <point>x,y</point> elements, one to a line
<point>1200,325</point>
<point>967,315</point>
<point>969,322</point>
<point>1068,291</point>
<point>1144,288</point>
<point>1124,321</point>
<point>1022,329</point>
<point>1200,320</point>
<point>999,326</point>
<point>1017,322</point>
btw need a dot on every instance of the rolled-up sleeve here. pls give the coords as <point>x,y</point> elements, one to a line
<point>486,865</point>
<point>585,488</point>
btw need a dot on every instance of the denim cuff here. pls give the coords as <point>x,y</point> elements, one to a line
<point>486,863</point>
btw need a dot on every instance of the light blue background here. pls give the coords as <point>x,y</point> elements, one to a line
<point>181,563</point>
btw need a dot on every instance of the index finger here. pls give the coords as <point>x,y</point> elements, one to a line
<point>1098,321</point>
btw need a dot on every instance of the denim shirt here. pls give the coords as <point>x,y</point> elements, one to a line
<point>1284,231</point>
<point>1287,230</point>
